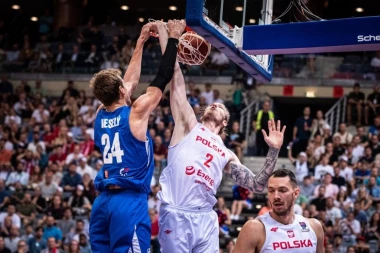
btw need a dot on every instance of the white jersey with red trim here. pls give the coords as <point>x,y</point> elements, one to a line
<point>195,170</point>
<point>297,237</point>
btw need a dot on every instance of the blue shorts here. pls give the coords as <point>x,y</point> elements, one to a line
<point>120,222</point>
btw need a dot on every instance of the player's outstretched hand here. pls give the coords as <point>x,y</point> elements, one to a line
<point>176,28</point>
<point>275,137</point>
<point>145,32</point>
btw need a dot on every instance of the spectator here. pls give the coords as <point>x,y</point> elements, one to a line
<point>38,200</point>
<point>154,230</point>
<point>56,208</point>
<point>240,196</point>
<point>13,239</point>
<point>3,248</point>
<point>302,131</point>
<point>318,124</point>
<point>320,200</point>
<point>355,104</point>
<point>375,62</point>
<point>48,187</point>
<point>350,228</point>
<point>11,212</point>
<point>37,243</point>
<point>154,202</point>
<point>337,178</point>
<point>84,245</point>
<point>160,153</point>
<point>51,230</point>
<point>84,168</point>
<point>223,217</point>
<point>79,203</point>
<point>53,246</point>
<point>18,176</point>
<point>372,107</point>
<point>307,188</point>
<point>345,136</point>
<point>323,168</point>
<point>260,123</point>
<point>67,223</point>
<point>301,165</point>
<point>89,188</point>
<point>208,94</point>
<point>237,140</point>
<point>26,210</point>
<point>71,179</point>
<point>75,156</point>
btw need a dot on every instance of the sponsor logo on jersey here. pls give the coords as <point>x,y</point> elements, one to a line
<point>210,145</point>
<point>304,227</point>
<point>290,233</point>
<point>190,170</point>
<point>274,229</point>
<point>206,177</point>
<point>296,244</point>
<point>124,172</point>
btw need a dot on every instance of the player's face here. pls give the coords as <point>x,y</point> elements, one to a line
<point>216,112</point>
<point>282,195</point>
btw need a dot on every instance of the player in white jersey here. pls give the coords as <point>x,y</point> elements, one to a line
<point>280,230</point>
<point>196,161</point>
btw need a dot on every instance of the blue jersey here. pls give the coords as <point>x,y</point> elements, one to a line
<point>128,162</point>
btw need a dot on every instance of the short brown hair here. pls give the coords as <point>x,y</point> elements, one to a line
<point>105,85</point>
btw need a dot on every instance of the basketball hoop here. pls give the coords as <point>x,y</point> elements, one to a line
<point>192,49</point>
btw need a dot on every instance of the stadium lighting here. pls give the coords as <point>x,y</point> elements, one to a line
<point>173,8</point>
<point>15,7</point>
<point>239,8</point>
<point>359,9</point>
<point>34,19</point>
<point>252,20</point>
<point>124,7</point>
<point>141,20</point>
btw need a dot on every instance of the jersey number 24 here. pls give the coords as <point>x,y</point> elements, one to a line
<point>115,149</point>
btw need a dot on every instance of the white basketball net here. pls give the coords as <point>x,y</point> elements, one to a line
<point>188,51</point>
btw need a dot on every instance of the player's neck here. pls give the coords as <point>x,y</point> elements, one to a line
<point>211,125</point>
<point>284,219</point>
<point>115,105</point>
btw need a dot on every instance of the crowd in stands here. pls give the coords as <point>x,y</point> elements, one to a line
<point>98,46</point>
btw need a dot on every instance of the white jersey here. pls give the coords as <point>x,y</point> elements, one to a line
<point>195,170</point>
<point>297,237</point>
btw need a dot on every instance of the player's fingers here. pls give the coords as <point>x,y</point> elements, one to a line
<point>273,125</point>
<point>264,133</point>
<point>278,125</point>
<point>283,129</point>
<point>270,125</point>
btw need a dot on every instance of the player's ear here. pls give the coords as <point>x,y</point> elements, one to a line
<point>225,123</point>
<point>296,192</point>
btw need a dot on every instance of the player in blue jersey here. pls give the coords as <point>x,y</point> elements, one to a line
<point>119,219</point>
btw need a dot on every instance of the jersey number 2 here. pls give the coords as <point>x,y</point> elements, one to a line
<point>115,149</point>
<point>210,157</point>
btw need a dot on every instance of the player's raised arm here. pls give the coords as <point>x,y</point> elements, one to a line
<point>244,176</point>
<point>132,75</point>
<point>183,114</point>
<point>146,103</point>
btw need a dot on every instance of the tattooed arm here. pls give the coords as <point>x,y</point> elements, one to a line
<point>245,177</point>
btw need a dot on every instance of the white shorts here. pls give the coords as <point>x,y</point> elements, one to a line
<point>188,230</point>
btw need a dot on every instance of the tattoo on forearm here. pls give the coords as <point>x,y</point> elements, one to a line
<point>256,183</point>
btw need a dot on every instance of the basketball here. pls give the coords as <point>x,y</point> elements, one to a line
<point>193,49</point>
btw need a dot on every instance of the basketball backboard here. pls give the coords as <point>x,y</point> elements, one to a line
<point>215,21</point>
<point>251,47</point>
